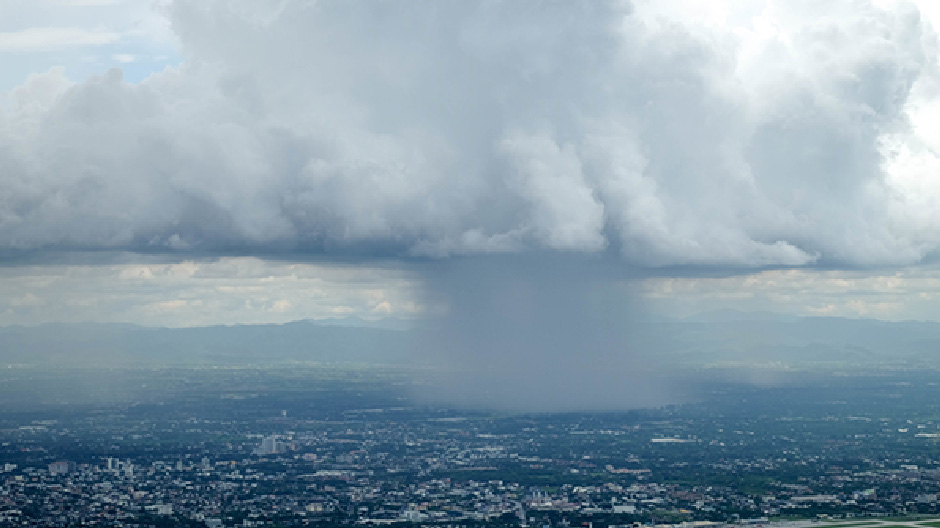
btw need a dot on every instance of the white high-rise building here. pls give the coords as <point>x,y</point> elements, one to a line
<point>269,446</point>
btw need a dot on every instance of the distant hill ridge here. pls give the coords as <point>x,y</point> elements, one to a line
<point>704,339</point>
<point>107,343</point>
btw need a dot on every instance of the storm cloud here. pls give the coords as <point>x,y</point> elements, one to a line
<point>666,133</point>
<point>507,176</point>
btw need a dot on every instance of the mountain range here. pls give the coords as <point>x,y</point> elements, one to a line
<point>707,339</point>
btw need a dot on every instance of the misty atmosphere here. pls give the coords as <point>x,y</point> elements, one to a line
<point>763,349</point>
<point>583,263</point>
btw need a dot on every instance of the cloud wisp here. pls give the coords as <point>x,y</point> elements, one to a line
<point>45,39</point>
<point>199,293</point>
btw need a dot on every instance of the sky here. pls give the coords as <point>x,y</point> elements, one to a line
<point>193,162</point>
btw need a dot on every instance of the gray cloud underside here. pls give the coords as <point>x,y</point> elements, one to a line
<point>450,127</point>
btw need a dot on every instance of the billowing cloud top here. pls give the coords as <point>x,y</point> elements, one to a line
<point>755,133</point>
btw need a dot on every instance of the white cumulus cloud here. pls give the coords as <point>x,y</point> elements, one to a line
<point>738,134</point>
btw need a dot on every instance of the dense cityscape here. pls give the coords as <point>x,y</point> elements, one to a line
<point>324,445</point>
<point>467,264</point>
